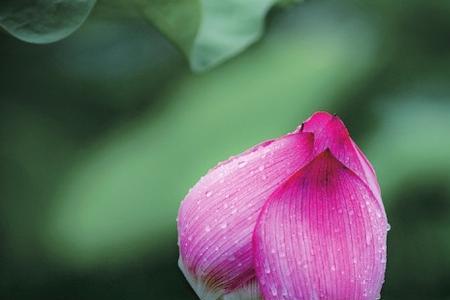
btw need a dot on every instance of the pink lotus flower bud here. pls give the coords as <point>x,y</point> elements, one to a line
<point>298,217</point>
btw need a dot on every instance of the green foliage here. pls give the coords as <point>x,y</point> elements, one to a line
<point>43,21</point>
<point>209,31</point>
<point>402,127</point>
<point>411,153</point>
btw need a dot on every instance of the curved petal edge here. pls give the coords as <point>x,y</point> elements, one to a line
<point>321,235</point>
<point>217,218</point>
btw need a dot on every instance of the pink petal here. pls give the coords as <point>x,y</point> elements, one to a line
<point>321,235</point>
<point>331,133</point>
<point>316,122</point>
<point>217,217</point>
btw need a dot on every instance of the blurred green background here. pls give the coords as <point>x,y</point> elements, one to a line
<point>103,133</point>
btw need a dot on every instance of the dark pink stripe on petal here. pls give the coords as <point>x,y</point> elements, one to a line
<point>321,235</point>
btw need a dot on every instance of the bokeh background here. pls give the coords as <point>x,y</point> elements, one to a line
<point>103,133</point>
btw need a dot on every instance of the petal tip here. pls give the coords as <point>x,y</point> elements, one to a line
<point>323,120</point>
<point>315,122</point>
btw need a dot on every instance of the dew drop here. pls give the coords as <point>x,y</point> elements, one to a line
<point>261,168</point>
<point>273,290</point>
<point>388,227</point>
<point>207,228</point>
<point>242,164</point>
<point>368,239</point>
<point>223,225</point>
<point>208,194</point>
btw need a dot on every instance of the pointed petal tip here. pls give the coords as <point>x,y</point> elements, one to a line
<point>323,120</point>
<point>318,115</point>
<point>315,122</point>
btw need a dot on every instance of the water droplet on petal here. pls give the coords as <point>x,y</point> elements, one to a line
<point>368,239</point>
<point>273,290</point>
<point>285,293</point>
<point>242,164</point>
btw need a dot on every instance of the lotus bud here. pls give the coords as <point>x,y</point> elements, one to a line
<point>297,217</point>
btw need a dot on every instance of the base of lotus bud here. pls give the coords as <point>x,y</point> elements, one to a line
<point>250,291</point>
<point>202,291</point>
